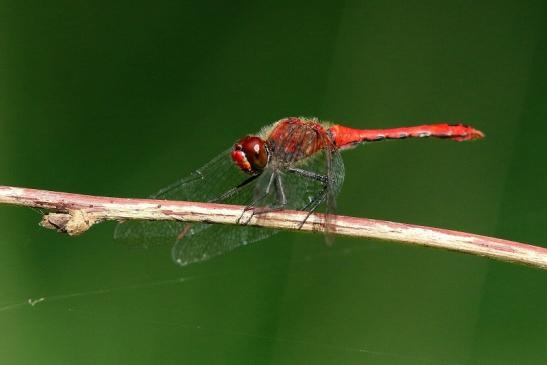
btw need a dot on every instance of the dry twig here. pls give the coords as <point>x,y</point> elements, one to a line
<point>75,213</point>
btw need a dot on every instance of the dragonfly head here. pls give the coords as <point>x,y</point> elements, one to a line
<point>250,154</point>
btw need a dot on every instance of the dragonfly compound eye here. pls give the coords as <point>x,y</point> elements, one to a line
<point>250,154</point>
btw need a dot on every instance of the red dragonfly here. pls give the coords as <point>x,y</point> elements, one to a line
<point>294,163</point>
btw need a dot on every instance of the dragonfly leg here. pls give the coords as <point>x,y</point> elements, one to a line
<point>235,189</point>
<point>313,204</point>
<point>254,203</point>
<point>317,199</point>
<point>308,174</point>
<point>282,198</point>
<point>277,183</point>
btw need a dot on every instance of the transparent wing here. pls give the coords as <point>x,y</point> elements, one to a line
<point>335,175</point>
<point>200,241</point>
<point>301,193</point>
<point>204,241</point>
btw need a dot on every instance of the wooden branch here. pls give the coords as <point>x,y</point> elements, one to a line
<point>75,213</point>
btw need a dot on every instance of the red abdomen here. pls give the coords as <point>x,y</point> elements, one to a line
<point>345,137</point>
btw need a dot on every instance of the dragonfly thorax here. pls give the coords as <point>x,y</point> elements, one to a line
<point>251,154</point>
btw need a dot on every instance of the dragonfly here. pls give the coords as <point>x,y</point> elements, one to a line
<point>294,163</point>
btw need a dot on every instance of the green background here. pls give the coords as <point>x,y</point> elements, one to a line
<point>123,98</point>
